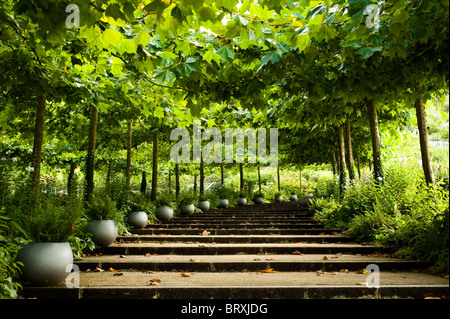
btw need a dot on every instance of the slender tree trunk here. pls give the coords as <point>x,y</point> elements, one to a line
<point>195,182</point>
<point>128,168</point>
<point>349,152</point>
<point>241,177</point>
<point>90,160</point>
<point>155,167</point>
<point>37,144</point>
<point>259,178</point>
<point>72,167</point>
<point>144,183</point>
<point>177,180</point>
<point>376,142</point>
<point>300,177</point>
<point>170,182</point>
<point>202,176</point>
<point>342,172</point>
<point>108,173</point>
<point>358,165</point>
<point>221,174</point>
<point>421,115</point>
<point>278,178</point>
<point>333,162</point>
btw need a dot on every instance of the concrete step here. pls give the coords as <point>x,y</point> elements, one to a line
<point>169,248</point>
<point>253,285</point>
<point>239,220</point>
<point>236,239</point>
<point>233,231</point>
<point>247,263</point>
<point>237,225</point>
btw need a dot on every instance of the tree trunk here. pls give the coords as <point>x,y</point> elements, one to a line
<point>177,180</point>
<point>128,168</point>
<point>195,182</point>
<point>342,171</point>
<point>108,173</point>
<point>155,167</point>
<point>37,144</point>
<point>333,162</point>
<point>202,176</point>
<point>349,152</point>
<point>144,183</point>
<point>376,142</point>
<point>278,178</point>
<point>90,160</point>
<point>241,177</point>
<point>423,136</point>
<point>221,174</point>
<point>358,165</point>
<point>170,182</point>
<point>259,178</point>
<point>72,167</point>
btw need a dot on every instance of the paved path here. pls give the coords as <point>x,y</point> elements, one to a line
<point>258,251</point>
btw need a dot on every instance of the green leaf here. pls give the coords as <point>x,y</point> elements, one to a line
<point>273,57</point>
<point>367,52</point>
<point>169,55</point>
<point>226,53</point>
<point>142,38</point>
<point>111,39</point>
<point>159,112</point>
<point>302,41</point>
<point>163,75</point>
<point>116,67</point>
<point>128,45</point>
<point>210,55</point>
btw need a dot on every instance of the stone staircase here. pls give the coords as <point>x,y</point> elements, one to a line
<point>259,251</point>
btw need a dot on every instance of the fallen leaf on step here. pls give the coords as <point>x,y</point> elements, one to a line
<point>268,271</point>
<point>155,280</point>
<point>319,272</point>
<point>256,259</point>
<point>326,258</point>
<point>205,233</point>
<point>111,269</point>
<point>297,253</point>
<point>344,270</point>
<point>361,283</point>
<point>270,259</point>
<point>122,256</point>
<point>362,271</point>
<point>334,273</point>
<point>98,269</point>
<point>153,283</point>
<point>185,274</point>
<point>194,260</point>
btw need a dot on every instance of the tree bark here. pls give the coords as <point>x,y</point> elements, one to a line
<point>342,172</point>
<point>202,176</point>
<point>177,180</point>
<point>423,136</point>
<point>333,162</point>
<point>349,152</point>
<point>241,177</point>
<point>128,168</point>
<point>155,167</point>
<point>222,180</point>
<point>358,165</point>
<point>376,142</point>
<point>90,160</point>
<point>144,183</point>
<point>37,143</point>
<point>278,178</point>
<point>259,178</point>
<point>72,167</point>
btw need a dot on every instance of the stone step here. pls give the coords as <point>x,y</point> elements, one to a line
<point>248,263</point>
<point>218,220</point>
<point>236,225</point>
<point>236,239</point>
<point>233,231</point>
<point>256,285</point>
<point>229,249</point>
